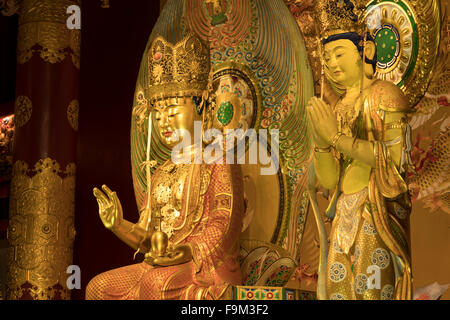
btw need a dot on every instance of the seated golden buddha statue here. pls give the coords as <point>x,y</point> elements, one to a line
<point>190,230</point>
<point>362,145</point>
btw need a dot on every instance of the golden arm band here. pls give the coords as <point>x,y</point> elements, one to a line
<point>322,150</point>
<point>336,139</point>
<point>395,125</point>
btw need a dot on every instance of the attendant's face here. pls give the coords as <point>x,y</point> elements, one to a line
<point>343,62</point>
<point>175,114</point>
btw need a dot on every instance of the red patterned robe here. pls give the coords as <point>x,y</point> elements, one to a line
<point>203,207</point>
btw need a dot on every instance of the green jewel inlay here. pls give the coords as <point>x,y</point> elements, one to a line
<point>386,41</point>
<point>225,113</point>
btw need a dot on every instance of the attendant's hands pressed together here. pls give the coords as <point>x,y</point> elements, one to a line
<point>322,121</point>
<point>110,209</point>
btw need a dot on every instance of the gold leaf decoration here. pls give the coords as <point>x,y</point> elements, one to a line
<point>23,109</point>
<point>72,114</point>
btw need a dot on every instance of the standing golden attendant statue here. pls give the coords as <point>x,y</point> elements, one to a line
<point>362,146</point>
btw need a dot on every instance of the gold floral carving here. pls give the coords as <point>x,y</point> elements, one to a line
<point>23,109</point>
<point>72,114</point>
<point>41,229</point>
<point>140,111</point>
<point>181,69</point>
<point>43,23</point>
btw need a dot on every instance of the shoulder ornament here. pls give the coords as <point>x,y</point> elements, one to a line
<point>387,96</point>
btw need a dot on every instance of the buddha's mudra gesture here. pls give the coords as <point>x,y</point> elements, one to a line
<point>190,231</point>
<point>361,151</point>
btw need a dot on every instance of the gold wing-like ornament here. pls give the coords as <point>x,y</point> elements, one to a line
<point>438,93</point>
<point>431,183</point>
<point>437,96</point>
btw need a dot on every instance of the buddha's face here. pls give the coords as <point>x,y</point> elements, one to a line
<point>175,114</point>
<point>343,62</point>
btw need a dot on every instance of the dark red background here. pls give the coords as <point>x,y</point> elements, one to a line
<point>112,45</point>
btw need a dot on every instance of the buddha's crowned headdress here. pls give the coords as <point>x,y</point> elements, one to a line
<point>178,70</point>
<point>339,16</point>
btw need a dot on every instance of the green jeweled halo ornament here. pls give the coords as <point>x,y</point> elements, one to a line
<point>406,34</point>
<point>394,29</point>
<point>225,113</point>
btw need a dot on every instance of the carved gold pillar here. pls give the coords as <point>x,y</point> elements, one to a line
<point>41,228</point>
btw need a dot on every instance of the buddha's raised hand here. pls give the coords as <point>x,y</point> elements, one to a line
<point>109,207</point>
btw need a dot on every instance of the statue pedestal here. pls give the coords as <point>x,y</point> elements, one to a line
<point>270,293</point>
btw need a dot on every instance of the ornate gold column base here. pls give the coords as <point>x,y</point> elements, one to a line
<point>41,230</point>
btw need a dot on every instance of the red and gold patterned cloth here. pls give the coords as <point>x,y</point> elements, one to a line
<point>209,221</point>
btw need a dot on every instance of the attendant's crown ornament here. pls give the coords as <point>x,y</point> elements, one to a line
<point>339,16</point>
<point>180,70</point>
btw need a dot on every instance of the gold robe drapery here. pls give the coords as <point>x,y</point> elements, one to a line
<point>371,227</point>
